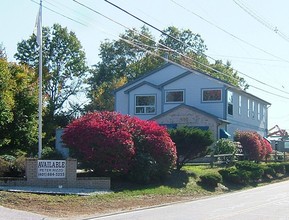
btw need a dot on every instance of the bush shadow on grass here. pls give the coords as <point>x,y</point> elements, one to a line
<point>177,179</point>
<point>206,187</point>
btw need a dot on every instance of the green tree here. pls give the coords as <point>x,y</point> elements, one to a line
<point>64,69</point>
<point>23,128</point>
<point>18,108</point>
<point>7,86</point>
<point>183,41</point>
<point>138,52</point>
<point>191,143</point>
<point>226,73</point>
<point>2,52</point>
<point>121,61</point>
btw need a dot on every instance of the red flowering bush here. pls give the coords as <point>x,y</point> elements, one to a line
<point>113,143</point>
<point>255,147</point>
<point>154,147</point>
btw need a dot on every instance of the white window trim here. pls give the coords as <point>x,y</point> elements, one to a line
<point>230,102</point>
<point>258,111</point>
<point>240,105</point>
<point>253,109</point>
<point>145,106</point>
<point>249,108</point>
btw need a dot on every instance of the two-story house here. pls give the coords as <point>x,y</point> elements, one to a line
<point>174,96</point>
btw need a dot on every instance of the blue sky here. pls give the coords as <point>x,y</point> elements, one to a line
<point>254,37</point>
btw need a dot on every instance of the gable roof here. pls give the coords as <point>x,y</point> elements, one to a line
<point>189,71</point>
<point>175,78</point>
<point>192,109</point>
<point>141,84</point>
<point>143,76</point>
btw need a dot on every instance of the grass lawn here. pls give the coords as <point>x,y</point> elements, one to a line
<point>179,186</point>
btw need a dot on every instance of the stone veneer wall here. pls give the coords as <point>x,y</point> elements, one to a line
<point>186,117</point>
<point>70,181</point>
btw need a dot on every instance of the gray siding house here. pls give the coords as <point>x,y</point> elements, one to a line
<point>174,96</point>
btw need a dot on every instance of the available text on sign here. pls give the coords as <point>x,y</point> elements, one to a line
<point>51,168</point>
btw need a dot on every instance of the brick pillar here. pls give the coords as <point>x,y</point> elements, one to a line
<point>31,169</point>
<point>71,168</point>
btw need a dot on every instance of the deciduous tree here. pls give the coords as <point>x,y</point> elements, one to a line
<point>138,52</point>
<point>64,69</point>
<point>18,108</point>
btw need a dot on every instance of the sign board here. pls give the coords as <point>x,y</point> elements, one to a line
<point>280,145</point>
<point>51,168</point>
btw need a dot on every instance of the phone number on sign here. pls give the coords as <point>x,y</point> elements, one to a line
<point>51,174</point>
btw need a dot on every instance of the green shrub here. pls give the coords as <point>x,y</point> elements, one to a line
<point>225,146</point>
<point>268,171</point>
<point>278,167</point>
<point>4,167</point>
<point>286,165</point>
<point>226,172</point>
<point>241,175</point>
<point>247,165</point>
<point>233,175</point>
<point>256,175</point>
<point>144,168</point>
<point>49,153</point>
<point>12,166</point>
<point>211,179</point>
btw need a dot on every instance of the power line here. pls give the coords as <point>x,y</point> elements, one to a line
<point>168,35</point>
<point>247,58</point>
<point>132,43</point>
<point>230,34</point>
<point>261,20</point>
<point>57,5</point>
<point>173,62</point>
<point>60,14</point>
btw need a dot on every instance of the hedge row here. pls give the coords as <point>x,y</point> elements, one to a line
<point>245,172</point>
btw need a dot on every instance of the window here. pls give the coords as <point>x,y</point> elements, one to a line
<point>170,126</point>
<point>230,103</point>
<point>212,95</point>
<point>253,109</point>
<point>145,104</point>
<point>174,96</point>
<point>258,112</point>
<point>264,113</point>
<point>240,105</point>
<point>249,108</point>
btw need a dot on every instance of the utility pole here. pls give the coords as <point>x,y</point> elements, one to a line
<point>39,42</point>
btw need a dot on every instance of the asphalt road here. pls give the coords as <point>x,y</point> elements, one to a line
<point>11,214</point>
<point>269,202</point>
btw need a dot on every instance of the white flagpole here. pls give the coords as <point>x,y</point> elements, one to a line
<point>39,41</point>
